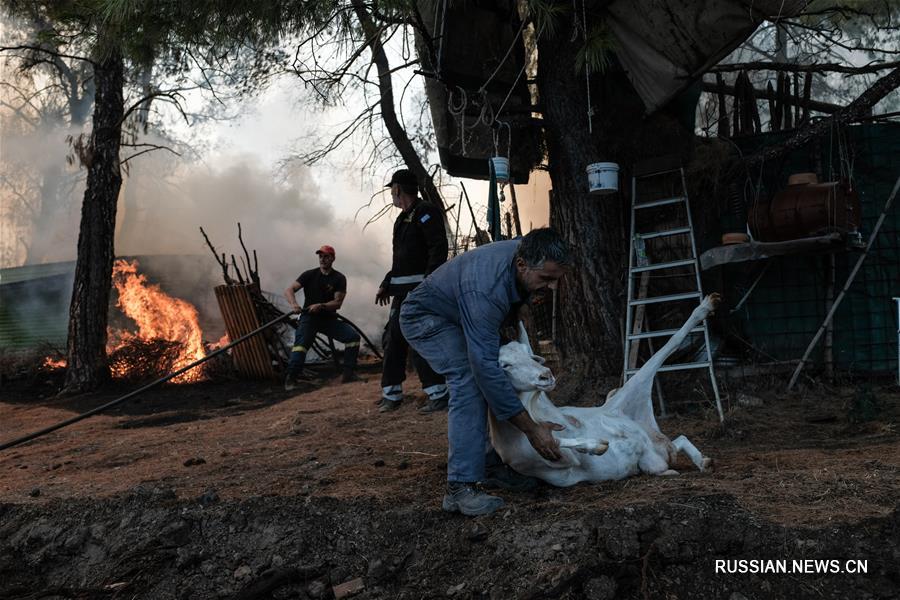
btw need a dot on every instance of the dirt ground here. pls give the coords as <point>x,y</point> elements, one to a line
<point>241,490</point>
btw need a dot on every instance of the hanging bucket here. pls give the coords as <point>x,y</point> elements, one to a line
<point>501,168</point>
<point>603,178</point>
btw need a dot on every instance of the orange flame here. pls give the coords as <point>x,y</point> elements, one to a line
<point>223,341</point>
<point>54,363</point>
<point>158,316</point>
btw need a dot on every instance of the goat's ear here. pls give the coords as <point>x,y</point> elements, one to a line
<point>523,336</point>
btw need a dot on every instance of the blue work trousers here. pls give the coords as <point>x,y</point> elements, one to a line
<point>307,329</point>
<point>443,345</point>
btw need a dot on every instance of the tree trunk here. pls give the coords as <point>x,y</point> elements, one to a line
<point>88,311</point>
<point>388,112</point>
<point>593,300</point>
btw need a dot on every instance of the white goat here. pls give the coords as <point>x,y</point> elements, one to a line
<point>613,441</point>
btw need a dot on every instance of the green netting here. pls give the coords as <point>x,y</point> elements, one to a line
<point>788,305</point>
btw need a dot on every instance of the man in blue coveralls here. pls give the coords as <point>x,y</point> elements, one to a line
<point>453,320</point>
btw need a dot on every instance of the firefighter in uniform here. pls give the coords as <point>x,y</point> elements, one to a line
<point>324,290</point>
<point>419,247</point>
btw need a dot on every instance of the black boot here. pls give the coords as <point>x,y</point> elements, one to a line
<point>349,376</point>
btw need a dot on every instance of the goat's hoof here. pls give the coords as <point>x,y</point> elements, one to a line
<point>668,473</point>
<point>712,301</point>
<point>601,449</point>
<point>705,463</point>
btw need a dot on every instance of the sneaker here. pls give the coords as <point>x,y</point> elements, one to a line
<point>350,377</point>
<point>502,477</point>
<point>389,405</point>
<point>464,498</point>
<point>436,405</point>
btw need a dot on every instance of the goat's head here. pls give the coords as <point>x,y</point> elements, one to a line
<point>525,369</point>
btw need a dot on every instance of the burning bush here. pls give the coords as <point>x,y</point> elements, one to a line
<point>168,333</point>
<point>167,336</point>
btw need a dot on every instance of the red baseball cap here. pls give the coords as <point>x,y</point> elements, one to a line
<point>326,249</point>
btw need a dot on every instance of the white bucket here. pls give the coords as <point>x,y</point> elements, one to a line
<point>603,178</point>
<point>501,168</point>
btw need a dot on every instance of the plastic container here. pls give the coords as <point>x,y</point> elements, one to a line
<point>501,168</point>
<point>603,178</point>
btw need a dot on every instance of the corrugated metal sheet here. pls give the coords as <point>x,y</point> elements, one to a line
<point>34,305</point>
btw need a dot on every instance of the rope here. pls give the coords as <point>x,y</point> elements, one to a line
<point>440,55</point>
<point>522,70</point>
<point>505,56</point>
<point>587,70</point>
<point>487,116</point>
<point>458,111</point>
<point>486,107</point>
<point>404,49</point>
<point>496,136</point>
<point>574,21</point>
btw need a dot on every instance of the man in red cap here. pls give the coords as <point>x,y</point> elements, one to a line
<point>324,290</point>
<point>419,247</point>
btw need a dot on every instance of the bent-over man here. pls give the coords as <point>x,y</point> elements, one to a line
<point>453,320</point>
<point>324,290</point>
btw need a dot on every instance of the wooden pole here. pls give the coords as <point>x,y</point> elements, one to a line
<point>515,209</point>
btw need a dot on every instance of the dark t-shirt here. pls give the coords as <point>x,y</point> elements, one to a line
<point>319,288</point>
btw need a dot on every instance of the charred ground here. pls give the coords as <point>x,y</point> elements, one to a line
<point>241,490</point>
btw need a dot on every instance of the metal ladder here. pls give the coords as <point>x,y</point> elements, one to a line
<point>638,264</point>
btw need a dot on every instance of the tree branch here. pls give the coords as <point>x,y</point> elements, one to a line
<point>152,147</point>
<point>813,68</point>
<point>46,51</point>
<point>172,95</point>
<point>388,111</point>
<point>822,107</point>
<point>853,111</point>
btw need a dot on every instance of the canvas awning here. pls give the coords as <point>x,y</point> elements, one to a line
<point>665,45</point>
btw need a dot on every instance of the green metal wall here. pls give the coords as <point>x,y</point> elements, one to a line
<point>34,305</point>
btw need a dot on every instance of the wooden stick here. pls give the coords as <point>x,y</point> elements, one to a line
<point>724,131</point>
<point>222,262</point>
<point>807,90</point>
<point>251,275</point>
<point>774,122</point>
<point>237,270</point>
<point>515,208</point>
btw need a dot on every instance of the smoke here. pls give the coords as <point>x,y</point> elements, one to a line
<point>284,221</point>
<point>37,195</point>
<point>164,201</point>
